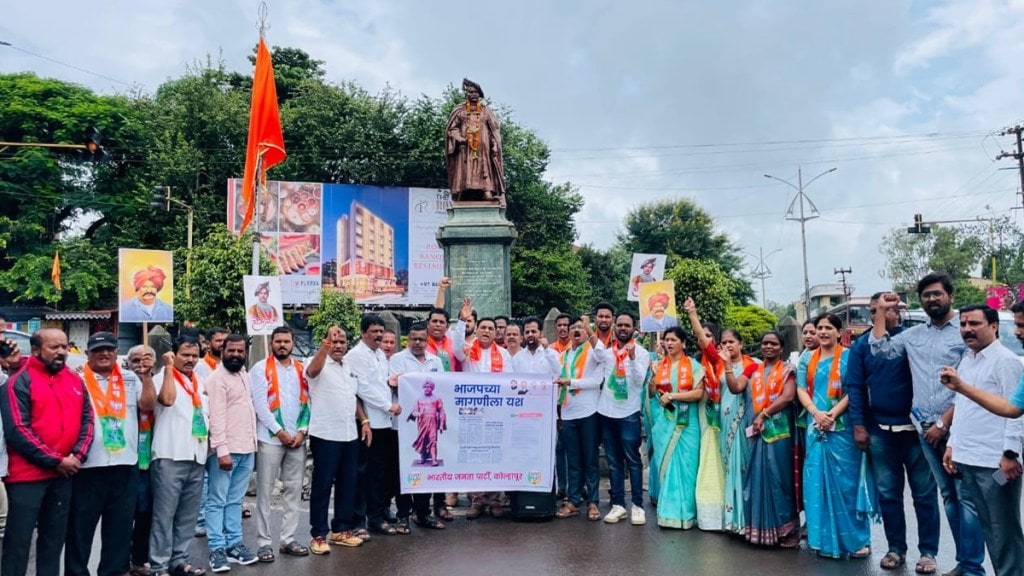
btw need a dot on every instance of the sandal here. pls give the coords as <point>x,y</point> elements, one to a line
<point>592,512</point>
<point>862,553</point>
<point>568,509</point>
<point>428,522</point>
<point>402,526</point>
<point>926,565</point>
<point>384,528</point>
<point>362,534</point>
<point>246,513</point>
<point>139,571</point>
<point>187,570</point>
<point>265,554</point>
<point>444,514</point>
<point>293,548</point>
<point>892,561</point>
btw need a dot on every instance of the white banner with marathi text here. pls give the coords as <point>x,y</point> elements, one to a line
<point>469,432</point>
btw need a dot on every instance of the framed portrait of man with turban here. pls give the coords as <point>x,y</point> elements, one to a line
<point>658,306</point>
<point>146,285</point>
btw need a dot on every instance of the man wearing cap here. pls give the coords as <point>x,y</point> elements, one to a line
<point>645,275</point>
<point>106,487</point>
<point>145,306</point>
<point>659,319</point>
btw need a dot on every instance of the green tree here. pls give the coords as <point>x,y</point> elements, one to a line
<point>557,276</point>
<point>909,257</point>
<point>219,261</point>
<point>750,321</point>
<point>967,293</point>
<point>682,229</point>
<point>607,275</point>
<point>709,286</point>
<point>336,309</point>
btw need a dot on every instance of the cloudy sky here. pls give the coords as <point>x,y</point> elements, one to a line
<point>647,100</point>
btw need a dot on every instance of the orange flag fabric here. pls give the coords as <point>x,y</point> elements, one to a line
<point>265,147</point>
<point>55,273</point>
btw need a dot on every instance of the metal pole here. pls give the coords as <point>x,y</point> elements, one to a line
<point>1020,167</point>
<point>803,241</point>
<point>188,259</point>
<point>760,250</point>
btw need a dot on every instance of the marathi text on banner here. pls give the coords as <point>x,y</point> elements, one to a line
<point>467,432</point>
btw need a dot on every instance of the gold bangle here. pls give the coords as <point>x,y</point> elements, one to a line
<point>364,421</point>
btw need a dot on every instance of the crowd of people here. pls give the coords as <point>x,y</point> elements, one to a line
<point>735,444</point>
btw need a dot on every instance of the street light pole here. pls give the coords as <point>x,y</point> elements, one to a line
<point>762,271</point>
<point>802,220</point>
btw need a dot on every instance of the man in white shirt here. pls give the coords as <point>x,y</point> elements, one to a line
<point>415,359</point>
<point>485,356</point>
<point>536,357</point>
<point>106,487</point>
<point>983,448</point>
<point>369,365</point>
<point>620,424</point>
<point>180,446</point>
<point>513,339</point>
<point>336,424</point>
<point>280,396</point>
<point>580,381</point>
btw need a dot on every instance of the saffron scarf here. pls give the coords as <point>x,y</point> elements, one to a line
<point>835,379</point>
<point>766,386</point>
<point>274,394</point>
<point>683,383</point>
<point>445,350</point>
<point>199,430</point>
<point>210,360</point>
<point>573,370</point>
<point>618,383</point>
<point>111,407</point>
<point>477,352</point>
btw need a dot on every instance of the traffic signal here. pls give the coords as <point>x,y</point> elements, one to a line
<point>93,148</point>
<point>919,227</point>
<point>161,198</point>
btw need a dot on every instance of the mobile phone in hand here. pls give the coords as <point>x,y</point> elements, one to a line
<point>1000,477</point>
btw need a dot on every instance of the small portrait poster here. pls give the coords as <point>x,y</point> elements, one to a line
<point>145,285</point>
<point>263,310</point>
<point>645,268</point>
<point>658,306</point>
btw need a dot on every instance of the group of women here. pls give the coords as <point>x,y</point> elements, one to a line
<point>742,445</point>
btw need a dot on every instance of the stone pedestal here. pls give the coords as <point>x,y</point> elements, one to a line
<point>477,240</point>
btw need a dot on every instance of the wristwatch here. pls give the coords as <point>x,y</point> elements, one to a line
<point>940,424</point>
<point>1010,454</point>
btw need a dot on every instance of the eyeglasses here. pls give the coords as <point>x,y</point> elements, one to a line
<point>933,295</point>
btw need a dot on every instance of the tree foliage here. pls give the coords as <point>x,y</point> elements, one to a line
<point>336,309</point>
<point>704,281</point>
<point>909,257</point>
<point>750,321</point>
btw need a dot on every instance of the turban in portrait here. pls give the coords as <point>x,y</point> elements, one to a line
<point>467,82</point>
<point>261,287</point>
<point>150,274</point>
<point>659,298</point>
<point>648,262</point>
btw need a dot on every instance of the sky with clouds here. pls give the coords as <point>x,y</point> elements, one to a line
<point>648,100</point>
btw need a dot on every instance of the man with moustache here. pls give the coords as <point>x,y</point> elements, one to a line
<point>48,426</point>
<point>389,343</point>
<point>513,339</point>
<point>984,449</point>
<point>618,408</point>
<point>106,487</point>
<point>415,359</point>
<point>280,396</point>
<point>929,347</point>
<point>580,381</point>
<point>180,435</point>
<point>141,359</point>
<point>370,368</point>
<point>146,305</point>
<point>233,442</point>
<point>500,325</point>
<point>337,422</point>
<point>485,356</point>
<point>536,357</point>
<point>604,317</point>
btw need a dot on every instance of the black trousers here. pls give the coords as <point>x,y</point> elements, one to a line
<point>382,472</point>
<point>143,520</point>
<point>108,493</point>
<point>44,503</point>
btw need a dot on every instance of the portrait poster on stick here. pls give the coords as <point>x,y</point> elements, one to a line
<point>645,268</point>
<point>470,432</point>
<point>263,309</point>
<point>145,285</point>
<point>658,306</point>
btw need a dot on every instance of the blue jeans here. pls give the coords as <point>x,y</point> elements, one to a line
<point>201,519</point>
<point>335,465</point>
<point>621,438</point>
<point>224,499</point>
<point>897,456</point>
<point>580,440</point>
<point>963,518</point>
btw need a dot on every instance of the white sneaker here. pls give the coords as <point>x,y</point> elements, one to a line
<point>637,516</point>
<point>615,514</point>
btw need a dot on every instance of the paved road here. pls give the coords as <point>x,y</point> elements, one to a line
<point>488,547</point>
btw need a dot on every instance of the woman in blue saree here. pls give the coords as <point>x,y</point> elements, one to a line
<point>769,503</point>
<point>676,390</point>
<point>832,465</point>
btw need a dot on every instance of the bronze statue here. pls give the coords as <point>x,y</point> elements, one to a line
<point>473,150</point>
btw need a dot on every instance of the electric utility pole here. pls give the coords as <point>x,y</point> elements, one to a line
<point>762,272</point>
<point>1017,154</point>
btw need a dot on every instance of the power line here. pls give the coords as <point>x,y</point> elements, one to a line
<point>72,66</point>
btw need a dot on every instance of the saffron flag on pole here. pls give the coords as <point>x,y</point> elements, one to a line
<point>55,273</point>
<point>265,147</point>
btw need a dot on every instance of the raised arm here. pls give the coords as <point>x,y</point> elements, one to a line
<point>691,311</point>
<point>442,286</point>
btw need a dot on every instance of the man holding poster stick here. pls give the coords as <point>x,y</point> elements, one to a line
<point>429,422</point>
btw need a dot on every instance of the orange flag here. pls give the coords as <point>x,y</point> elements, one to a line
<point>55,273</point>
<point>266,141</point>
